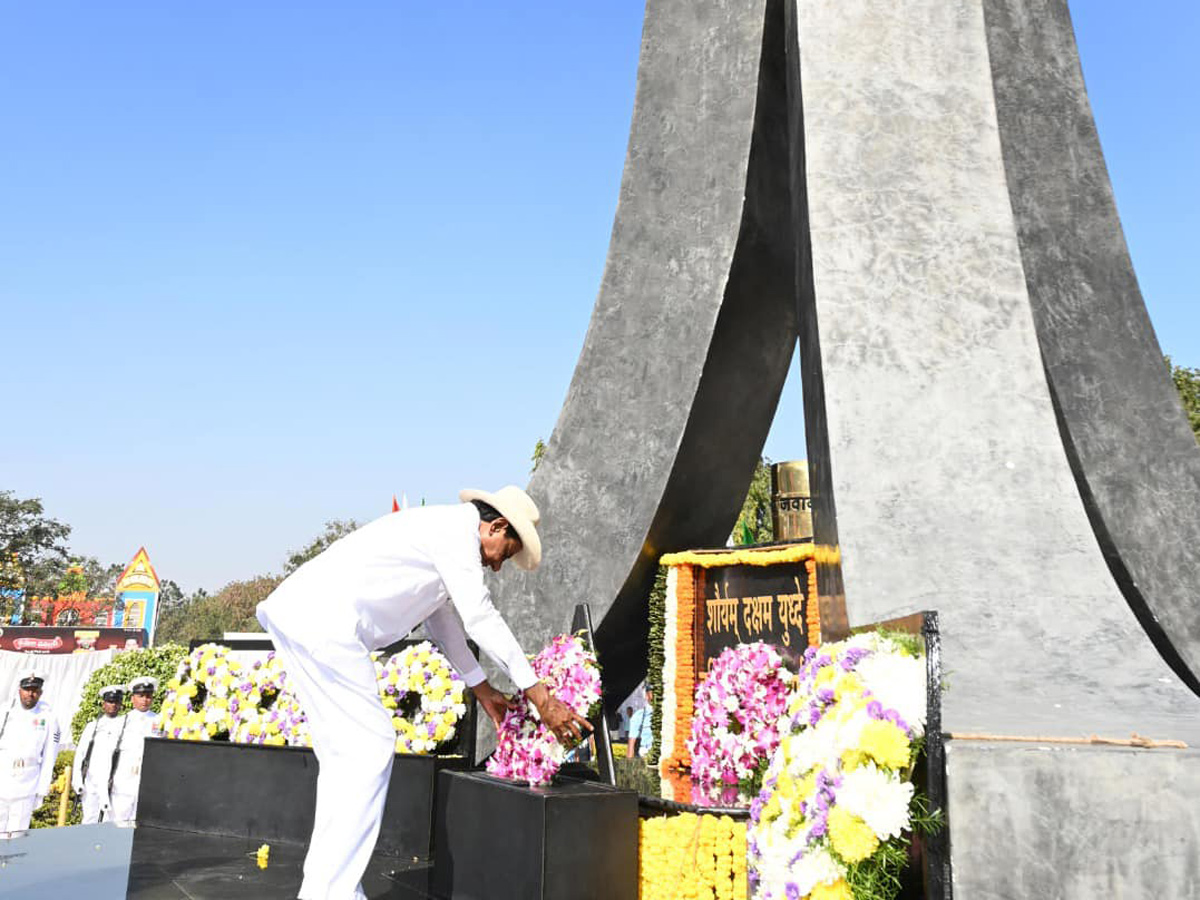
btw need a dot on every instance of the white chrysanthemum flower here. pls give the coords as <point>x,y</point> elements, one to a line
<point>816,866</point>
<point>816,746</point>
<point>849,731</point>
<point>898,682</point>
<point>864,640</point>
<point>877,797</point>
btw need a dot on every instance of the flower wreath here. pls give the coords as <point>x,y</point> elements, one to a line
<point>526,749</point>
<point>197,705</point>
<point>735,717</point>
<point>265,711</point>
<point>838,797</point>
<point>423,694</point>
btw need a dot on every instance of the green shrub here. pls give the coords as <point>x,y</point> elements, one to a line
<point>157,662</point>
<point>46,815</point>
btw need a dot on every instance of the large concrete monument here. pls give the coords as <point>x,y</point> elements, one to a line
<point>917,188</point>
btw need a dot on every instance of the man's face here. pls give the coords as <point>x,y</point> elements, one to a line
<point>30,696</point>
<point>110,706</point>
<point>495,546</point>
<point>141,702</point>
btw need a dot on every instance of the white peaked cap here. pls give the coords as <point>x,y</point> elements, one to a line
<point>28,671</point>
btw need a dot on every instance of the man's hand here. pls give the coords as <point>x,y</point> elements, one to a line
<point>494,703</point>
<point>567,726</point>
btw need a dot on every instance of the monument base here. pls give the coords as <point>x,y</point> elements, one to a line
<point>269,793</point>
<point>497,840</point>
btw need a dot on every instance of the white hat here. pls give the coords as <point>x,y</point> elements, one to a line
<point>143,681</point>
<point>112,689</point>
<point>522,513</point>
<point>29,673</point>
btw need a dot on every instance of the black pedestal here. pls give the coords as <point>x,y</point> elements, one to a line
<point>269,793</point>
<point>495,840</point>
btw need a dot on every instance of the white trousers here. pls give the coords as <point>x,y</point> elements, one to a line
<point>15,814</point>
<point>354,743</point>
<point>95,806</point>
<point>124,808</point>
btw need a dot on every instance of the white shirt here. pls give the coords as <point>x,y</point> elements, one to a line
<point>100,737</point>
<point>378,583</point>
<point>139,725</point>
<point>28,739</point>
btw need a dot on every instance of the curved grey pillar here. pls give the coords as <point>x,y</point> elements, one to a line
<point>690,340</point>
<point>1134,456</point>
<point>953,487</point>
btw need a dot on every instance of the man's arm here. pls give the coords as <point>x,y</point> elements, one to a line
<point>447,632</point>
<point>48,755</point>
<point>463,578</point>
<point>80,754</point>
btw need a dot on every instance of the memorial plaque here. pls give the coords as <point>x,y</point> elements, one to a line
<point>739,604</point>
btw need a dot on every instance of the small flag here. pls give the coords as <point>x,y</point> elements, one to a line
<point>404,501</point>
<point>395,505</point>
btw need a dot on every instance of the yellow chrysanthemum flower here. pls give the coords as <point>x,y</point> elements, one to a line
<point>852,838</point>
<point>839,890</point>
<point>771,809</point>
<point>885,743</point>
<point>847,687</point>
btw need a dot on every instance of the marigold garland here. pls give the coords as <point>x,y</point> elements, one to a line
<point>677,718</point>
<point>692,856</point>
<point>812,614</point>
<point>744,556</point>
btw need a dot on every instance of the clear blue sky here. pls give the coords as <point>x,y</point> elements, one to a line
<point>266,264</point>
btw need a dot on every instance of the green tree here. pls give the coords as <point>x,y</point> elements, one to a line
<point>38,542</point>
<point>334,529</point>
<point>170,594</point>
<point>539,453</point>
<point>754,524</point>
<point>204,616</point>
<point>1187,382</point>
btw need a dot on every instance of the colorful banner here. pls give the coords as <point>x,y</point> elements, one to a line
<point>35,639</point>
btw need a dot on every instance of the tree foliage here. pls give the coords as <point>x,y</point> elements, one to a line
<point>37,542</point>
<point>334,529</point>
<point>1187,382</point>
<point>754,522</point>
<point>46,815</point>
<point>205,616</point>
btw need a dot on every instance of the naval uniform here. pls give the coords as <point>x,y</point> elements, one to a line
<point>28,740</point>
<point>368,590</point>
<point>92,771</point>
<point>127,771</point>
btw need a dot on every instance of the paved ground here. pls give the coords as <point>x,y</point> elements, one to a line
<point>102,862</point>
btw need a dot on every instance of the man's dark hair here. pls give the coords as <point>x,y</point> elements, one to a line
<point>489,513</point>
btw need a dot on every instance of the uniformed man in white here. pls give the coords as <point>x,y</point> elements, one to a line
<point>140,723</point>
<point>92,771</point>
<point>28,742</point>
<point>368,590</point>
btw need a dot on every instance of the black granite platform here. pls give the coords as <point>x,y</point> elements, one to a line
<point>104,862</point>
